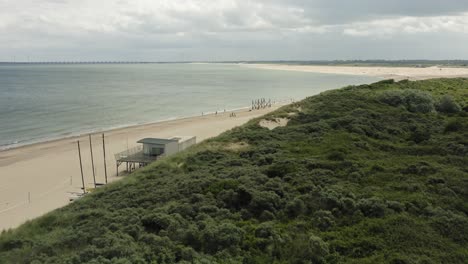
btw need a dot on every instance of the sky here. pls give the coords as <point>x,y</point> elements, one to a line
<point>220,30</point>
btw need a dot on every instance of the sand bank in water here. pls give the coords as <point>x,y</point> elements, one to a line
<point>397,73</point>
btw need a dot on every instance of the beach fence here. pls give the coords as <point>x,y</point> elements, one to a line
<point>261,103</point>
<point>129,152</point>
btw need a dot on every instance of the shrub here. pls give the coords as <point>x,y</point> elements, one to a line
<point>392,97</point>
<point>294,207</point>
<point>419,135</point>
<point>324,220</point>
<point>264,230</point>
<point>414,100</point>
<point>218,237</point>
<point>451,225</point>
<point>280,169</point>
<point>306,249</point>
<point>156,222</point>
<point>336,156</point>
<point>264,201</point>
<point>396,206</point>
<point>318,248</point>
<point>453,126</point>
<point>372,207</point>
<point>448,105</point>
<point>387,81</point>
<point>418,101</point>
<point>266,216</point>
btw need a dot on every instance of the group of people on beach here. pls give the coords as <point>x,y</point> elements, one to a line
<point>261,103</point>
<point>233,114</point>
<point>257,104</point>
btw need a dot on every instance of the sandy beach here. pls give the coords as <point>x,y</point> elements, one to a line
<point>38,178</point>
<point>397,73</point>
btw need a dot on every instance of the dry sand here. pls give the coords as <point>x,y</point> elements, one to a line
<point>397,73</point>
<point>38,178</point>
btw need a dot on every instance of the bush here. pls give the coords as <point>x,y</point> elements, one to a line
<point>392,97</point>
<point>453,126</point>
<point>418,101</point>
<point>306,249</point>
<point>448,105</point>
<point>218,237</point>
<point>419,135</point>
<point>414,100</point>
<point>336,156</point>
<point>324,220</point>
<point>261,201</point>
<point>372,207</point>
<point>156,222</point>
<point>294,208</point>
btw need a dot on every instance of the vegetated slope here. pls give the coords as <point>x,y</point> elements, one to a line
<point>369,174</point>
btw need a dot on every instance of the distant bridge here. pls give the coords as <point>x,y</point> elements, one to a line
<point>82,62</point>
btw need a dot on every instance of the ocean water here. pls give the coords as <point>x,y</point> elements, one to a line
<point>44,102</point>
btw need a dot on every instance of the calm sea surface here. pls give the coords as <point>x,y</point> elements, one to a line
<point>43,102</point>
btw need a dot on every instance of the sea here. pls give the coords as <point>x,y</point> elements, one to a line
<point>42,102</point>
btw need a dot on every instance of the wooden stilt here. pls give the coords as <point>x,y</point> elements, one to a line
<point>92,160</point>
<point>81,167</point>
<point>104,151</point>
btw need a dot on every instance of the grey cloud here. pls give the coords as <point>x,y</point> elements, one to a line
<point>233,29</point>
<point>345,11</point>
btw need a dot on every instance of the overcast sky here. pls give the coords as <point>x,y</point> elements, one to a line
<point>210,30</point>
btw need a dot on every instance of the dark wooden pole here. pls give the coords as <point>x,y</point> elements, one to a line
<point>104,151</point>
<point>81,167</point>
<point>92,160</point>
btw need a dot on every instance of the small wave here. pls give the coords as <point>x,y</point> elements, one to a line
<point>84,132</point>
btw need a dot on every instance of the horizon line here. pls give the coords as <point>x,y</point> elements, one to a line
<point>229,61</point>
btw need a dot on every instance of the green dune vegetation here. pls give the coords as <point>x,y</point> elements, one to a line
<point>365,174</point>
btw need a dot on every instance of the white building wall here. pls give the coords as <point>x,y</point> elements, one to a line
<point>187,143</point>
<point>171,148</point>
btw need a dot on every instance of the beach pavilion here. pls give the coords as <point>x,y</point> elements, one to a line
<point>152,149</point>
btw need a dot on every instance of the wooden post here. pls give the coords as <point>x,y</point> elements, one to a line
<point>92,160</point>
<point>81,167</point>
<point>104,151</point>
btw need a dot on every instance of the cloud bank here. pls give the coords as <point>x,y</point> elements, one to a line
<point>166,30</point>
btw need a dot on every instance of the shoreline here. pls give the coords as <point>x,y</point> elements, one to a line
<point>72,135</point>
<point>38,178</point>
<point>397,73</point>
